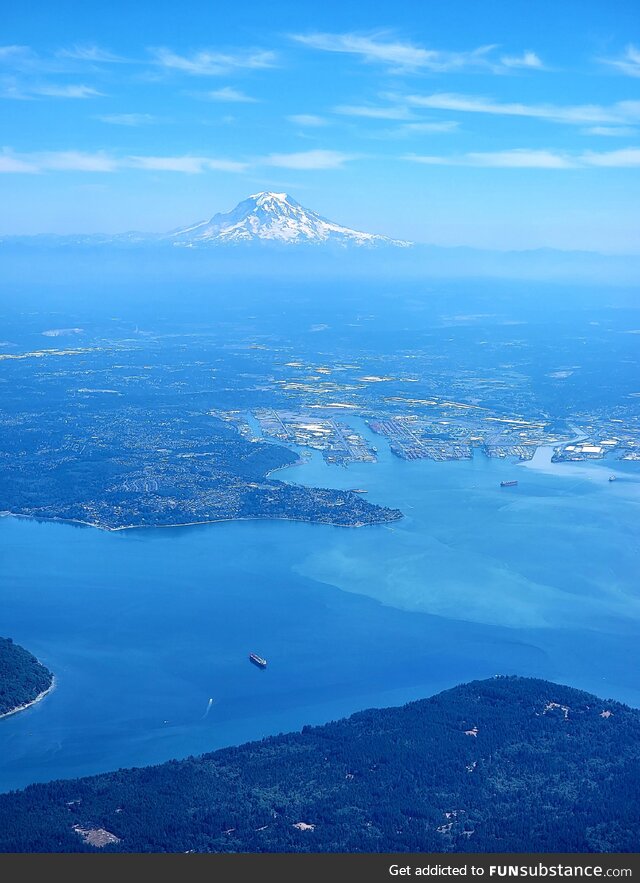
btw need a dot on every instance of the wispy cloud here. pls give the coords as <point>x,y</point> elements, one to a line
<point>523,158</point>
<point>412,130</point>
<point>628,157</point>
<point>611,131</point>
<point>33,66</point>
<point>228,93</point>
<point>23,59</point>
<point>58,161</point>
<point>127,119</point>
<point>400,112</point>
<point>13,52</point>
<point>15,165</point>
<point>206,64</point>
<point>69,90</point>
<point>227,165</point>
<point>503,159</point>
<point>579,114</point>
<point>400,55</point>
<point>309,159</point>
<point>308,119</point>
<point>75,161</point>
<point>103,162</point>
<point>528,59</point>
<point>444,126</point>
<point>91,53</point>
<point>78,161</point>
<point>18,90</point>
<point>11,88</point>
<point>375,113</point>
<point>628,62</point>
<point>191,165</point>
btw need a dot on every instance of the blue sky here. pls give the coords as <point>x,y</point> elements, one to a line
<point>496,124</point>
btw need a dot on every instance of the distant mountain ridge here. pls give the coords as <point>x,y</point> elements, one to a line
<point>260,233</point>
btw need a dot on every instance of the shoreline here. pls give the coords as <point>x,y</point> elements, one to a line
<point>26,705</point>
<point>56,520</point>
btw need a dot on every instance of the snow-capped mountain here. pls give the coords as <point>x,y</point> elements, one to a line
<point>274,217</point>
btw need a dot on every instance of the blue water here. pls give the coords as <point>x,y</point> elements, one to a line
<point>142,628</point>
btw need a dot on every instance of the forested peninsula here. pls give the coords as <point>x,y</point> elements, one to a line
<point>23,680</point>
<point>502,765</point>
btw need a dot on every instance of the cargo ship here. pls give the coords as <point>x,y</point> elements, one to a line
<point>258,660</point>
<point>508,483</point>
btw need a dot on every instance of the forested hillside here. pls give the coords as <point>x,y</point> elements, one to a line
<point>507,764</point>
<point>22,677</point>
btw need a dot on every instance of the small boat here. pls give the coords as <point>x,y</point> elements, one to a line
<point>258,660</point>
<point>612,478</point>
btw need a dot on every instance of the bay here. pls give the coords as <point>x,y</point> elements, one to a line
<point>143,628</point>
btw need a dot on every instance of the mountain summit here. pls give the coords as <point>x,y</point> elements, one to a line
<point>275,217</point>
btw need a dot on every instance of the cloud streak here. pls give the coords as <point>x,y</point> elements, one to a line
<point>374,113</point>
<point>309,159</point>
<point>78,161</point>
<point>92,53</point>
<point>579,114</point>
<point>58,161</point>
<point>401,55</point>
<point>443,126</point>
<point>308,119</point>
<point>9,54</point>
<point>628,157</point>
<point>212,64</point>
<point>380,48</point>
<point>12,88</point>
<point>15,165</point>
<point>611,131</point>
<point>190,165</point>
<point>528,60</point>
<point>100,161</point>
<point>522,158</point>
<point>628,63</point>
<point>127,119</point>
<point>68,90</point>
<point>228,93</point>
<point>105,163</point>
